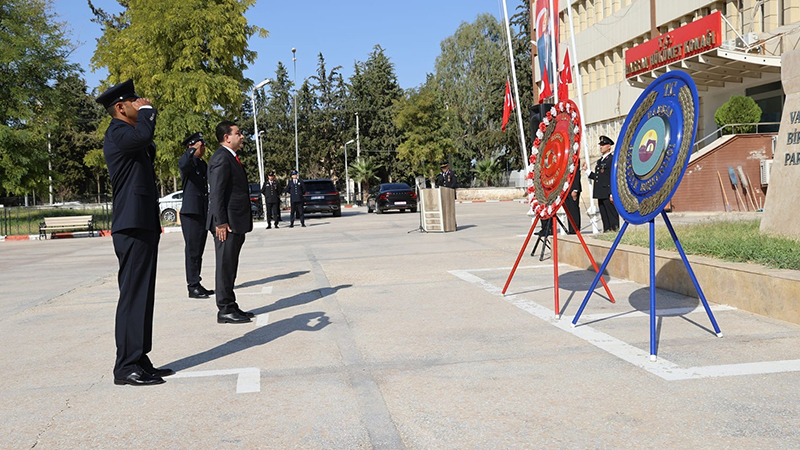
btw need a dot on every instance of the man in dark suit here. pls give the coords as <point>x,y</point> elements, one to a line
<point>272,194</point>
<point>229,218</point>
<point>571,203</point>
<point>296,189</point>
<point>602,185</point>
<point>135,230</point>
<point>194,174</point>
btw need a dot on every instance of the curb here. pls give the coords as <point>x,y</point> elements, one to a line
<point>64,235</point>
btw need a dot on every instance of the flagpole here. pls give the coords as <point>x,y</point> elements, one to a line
<point>516,91</point>
<point>553,14</point>
<point>579,86</point>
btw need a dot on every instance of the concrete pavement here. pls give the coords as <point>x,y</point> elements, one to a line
<point>371,337</point>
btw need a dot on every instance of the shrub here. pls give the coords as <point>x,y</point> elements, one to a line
<point>738,109</point>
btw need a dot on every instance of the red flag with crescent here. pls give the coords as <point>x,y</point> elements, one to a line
<point>508,106</point>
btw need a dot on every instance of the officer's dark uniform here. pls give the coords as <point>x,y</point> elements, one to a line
<point>272,194</point>
<point>572,206</point>
<point>194,211</point>
<point>135,231</point>
<point>602,188</point>
<point>296,188</point>
<point>446,178</point>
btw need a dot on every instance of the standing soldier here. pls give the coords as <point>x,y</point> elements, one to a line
<point>272,192</point>
<point>296,189</point>
<point>602,185</point>
<point>571,203</point>
<point>446,178</point>
<point>194,174</point>
<point>135,230</point>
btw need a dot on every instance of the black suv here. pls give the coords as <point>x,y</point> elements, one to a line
<point>256,207</point>
<point>322,197</point>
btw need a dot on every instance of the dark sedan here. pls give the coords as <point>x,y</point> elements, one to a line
<point>321,197</point>
<point>392,196</point>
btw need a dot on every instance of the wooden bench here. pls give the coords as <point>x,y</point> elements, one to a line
<point>65,223</point>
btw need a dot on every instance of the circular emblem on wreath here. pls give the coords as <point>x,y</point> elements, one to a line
<point>554,158</point>
<point>654,148</point>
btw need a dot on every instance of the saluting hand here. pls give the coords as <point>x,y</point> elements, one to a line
<point>139,102</point>
<point>222,232</point>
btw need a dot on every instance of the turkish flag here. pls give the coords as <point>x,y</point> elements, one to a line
<point>546,91</point>
<point>565,78</point>
<point>508,105</point>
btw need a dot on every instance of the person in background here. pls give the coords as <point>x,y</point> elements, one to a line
<point>272,192</point>
<point>602,185</point>
<point>194,211</point>
<point>296,189</point>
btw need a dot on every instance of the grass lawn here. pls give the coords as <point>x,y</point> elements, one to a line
<point>729,241</point>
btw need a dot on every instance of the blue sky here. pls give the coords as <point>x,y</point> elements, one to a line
<point>345,31</point>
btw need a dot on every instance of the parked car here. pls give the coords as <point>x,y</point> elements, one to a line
<point>322,197</point>
<point>256,206</point>
<point>169,205</point>
<point>387,196</point>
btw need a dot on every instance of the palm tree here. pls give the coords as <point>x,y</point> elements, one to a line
<point>364,171</point>
<point>487,170</point>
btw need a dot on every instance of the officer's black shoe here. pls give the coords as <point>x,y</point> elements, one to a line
<point>246,313</point>
<point>139,378</point>
<point>291,225</point>
<point>269,226</point>
<point>232,317</point>
<point>197,292</point>
<point>160,373</point>
<point>276,225</point>
<point>303,225</point>
<point>207,291</point>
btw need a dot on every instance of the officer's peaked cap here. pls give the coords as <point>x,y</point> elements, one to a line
<point>122,91</point>
<point>191,140</point>
<point>605,140</point>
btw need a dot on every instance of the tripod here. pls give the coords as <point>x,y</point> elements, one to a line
<point>420,208</point>
<point>544,234</point>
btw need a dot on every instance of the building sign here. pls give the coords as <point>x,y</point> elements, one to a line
<point>697,37</point>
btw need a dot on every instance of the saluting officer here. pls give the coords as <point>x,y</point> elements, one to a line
<point>446,178</point>
<point>135,230</point>
<point>272,192</point>
<point>194,210</point>
<point>296,189</point>
<point>602,185</point>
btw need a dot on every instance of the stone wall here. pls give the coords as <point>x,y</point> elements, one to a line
<point>491,193</point>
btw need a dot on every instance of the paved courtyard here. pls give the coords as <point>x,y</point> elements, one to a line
<point>368,336</point>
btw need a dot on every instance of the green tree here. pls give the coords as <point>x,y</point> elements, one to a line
<point>487,171</point>
<point>327,121</point>
<point>738,109</point>
<point>424,131</point>
<point>373,91</point>
<point>96,162</point>
<point>188,57</point>
<point>33,57</point>
<point>364,171</point>
<point>471,74</point>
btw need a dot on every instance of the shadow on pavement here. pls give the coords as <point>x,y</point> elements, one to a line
<point>300,299</point>
<point>259,336</point>
<point>267,280</point>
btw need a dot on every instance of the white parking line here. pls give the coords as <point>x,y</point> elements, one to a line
<point>624,351</point>
<point>248,380</point>
<point>587,318</point>
<point>262,320</point>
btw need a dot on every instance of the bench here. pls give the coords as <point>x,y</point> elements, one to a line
<point>65,223</point>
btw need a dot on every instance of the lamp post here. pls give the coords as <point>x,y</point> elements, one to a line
<point>296,148</point>
<point>258,139</point>
<point>346,173</point>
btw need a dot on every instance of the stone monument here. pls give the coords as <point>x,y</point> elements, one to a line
<point>780,208</point>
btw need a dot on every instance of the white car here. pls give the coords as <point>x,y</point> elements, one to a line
<point>169,206</point>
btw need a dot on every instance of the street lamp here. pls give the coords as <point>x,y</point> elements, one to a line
<point>296,151</point>
<point>258,139</point>
<point>346,173</point>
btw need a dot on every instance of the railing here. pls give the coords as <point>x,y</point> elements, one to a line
<point>22,220</point>
<point>719,132</point>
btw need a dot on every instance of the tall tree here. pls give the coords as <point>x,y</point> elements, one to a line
<point>471,72</point>
<point>188,57</point>
<point>33,57</point>
<point>328,121</point>
<point>373,91</point>
<point>424,131</point>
